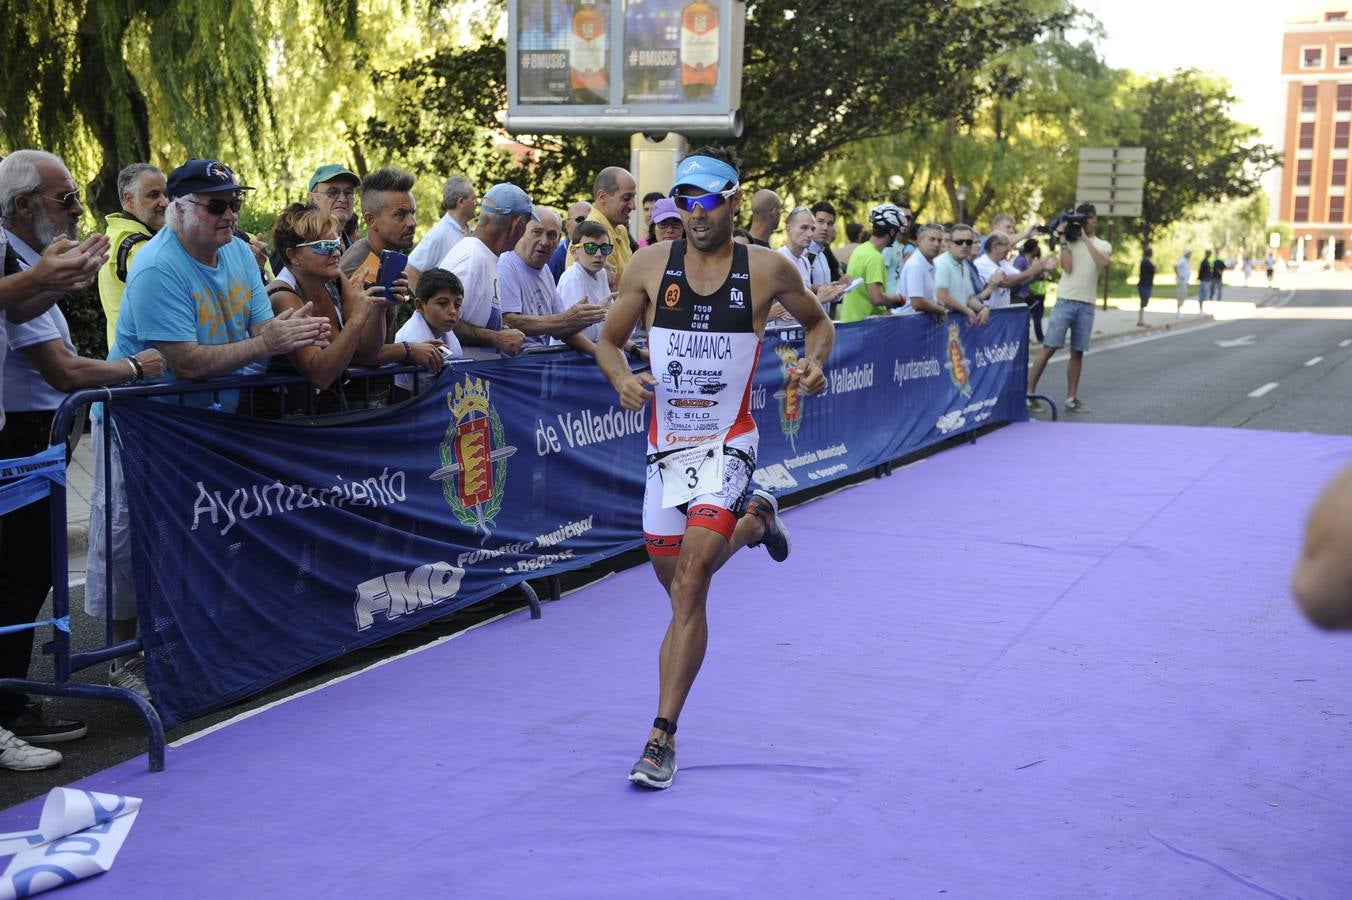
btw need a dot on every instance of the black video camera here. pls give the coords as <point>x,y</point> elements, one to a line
<point>1074,222</point>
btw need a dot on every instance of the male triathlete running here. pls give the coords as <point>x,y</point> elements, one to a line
<point>704,300</point>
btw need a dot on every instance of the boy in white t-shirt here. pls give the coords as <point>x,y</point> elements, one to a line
<point>586,282</point>
<point>437,304</point>
<point>589,280</point>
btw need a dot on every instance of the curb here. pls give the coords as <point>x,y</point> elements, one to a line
<point>1181,324</point>
<point>77,538</point>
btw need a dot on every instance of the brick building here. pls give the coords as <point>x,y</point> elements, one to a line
<point>1316,121</point>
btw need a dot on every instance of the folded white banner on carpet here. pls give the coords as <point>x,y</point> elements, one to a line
<point>78,835</point>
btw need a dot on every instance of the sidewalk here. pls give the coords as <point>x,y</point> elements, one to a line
<point>1116,322</point>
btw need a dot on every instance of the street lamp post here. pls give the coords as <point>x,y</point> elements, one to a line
<point>961,194</point>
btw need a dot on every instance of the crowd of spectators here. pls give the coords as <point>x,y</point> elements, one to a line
<point>188,295</point>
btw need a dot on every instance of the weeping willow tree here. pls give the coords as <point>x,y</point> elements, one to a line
<point>273,87</point>
<point>89,77</point>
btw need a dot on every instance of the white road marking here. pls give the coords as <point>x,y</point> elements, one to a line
<point>1345,343</point>
<point>1270,386</point>
<point>1314,362</point>
<point>1246,341</point>
<point>1119,343</point>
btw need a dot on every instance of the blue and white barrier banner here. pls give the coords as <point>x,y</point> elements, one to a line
<point>30,479</point>
<point>895,385</point>
<point>78,835</point>
<point>263,548</point>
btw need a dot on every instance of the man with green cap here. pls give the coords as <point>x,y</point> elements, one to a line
<point>333,189</point>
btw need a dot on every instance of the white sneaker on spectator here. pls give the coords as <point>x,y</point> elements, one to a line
<point>17,755</point>
<point>131,674</point>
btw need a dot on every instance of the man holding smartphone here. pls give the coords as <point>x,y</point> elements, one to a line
<point>390,213</point>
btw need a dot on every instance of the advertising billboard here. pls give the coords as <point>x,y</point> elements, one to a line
<point>624,66</point>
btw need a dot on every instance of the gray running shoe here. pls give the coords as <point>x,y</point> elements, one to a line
<point>17,755</point>
<point>1035,405</point>
<point>131,674</point>
<point>776,538</point>
<point>657,766</point>
<point>1076,406</point>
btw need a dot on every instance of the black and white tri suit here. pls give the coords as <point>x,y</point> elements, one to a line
<point>703,351</point>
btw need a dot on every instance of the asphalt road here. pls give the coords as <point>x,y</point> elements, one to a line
<point>1286,368</point>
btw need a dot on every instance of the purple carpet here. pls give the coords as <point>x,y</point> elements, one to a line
<point>1062,662</point>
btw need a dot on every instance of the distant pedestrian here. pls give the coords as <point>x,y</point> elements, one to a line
<point>1204,280</point>
<point>1182,273</point>
<point>1270,263</point>
<point>1248,269</point>
<point>1145,284</point>
<point>1217,274</point>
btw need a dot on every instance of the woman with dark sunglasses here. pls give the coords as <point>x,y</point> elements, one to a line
<point>308,240</point>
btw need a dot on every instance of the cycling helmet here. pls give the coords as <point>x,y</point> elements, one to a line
<point>888,215</point>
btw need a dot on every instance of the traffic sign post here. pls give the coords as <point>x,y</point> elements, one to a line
<point>1113,179</point>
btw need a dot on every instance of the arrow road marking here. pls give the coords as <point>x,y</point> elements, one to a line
<point>1246,341</point>
<point>1314,362</point>
<point>1270,386</point>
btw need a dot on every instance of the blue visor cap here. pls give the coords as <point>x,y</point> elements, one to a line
<point>705,173</point>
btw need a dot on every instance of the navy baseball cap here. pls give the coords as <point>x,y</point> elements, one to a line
<point>202,176</point>
<point>705,173</point>
<point>507,199</point>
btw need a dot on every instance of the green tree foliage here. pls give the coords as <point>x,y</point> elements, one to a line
<point>1195,152</point>
<point>820,76</point>
<point>1237,226</point>
<point>97,74</point>
<point>1013,151</point>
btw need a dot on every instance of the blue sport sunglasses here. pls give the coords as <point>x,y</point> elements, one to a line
<point>706,202</point>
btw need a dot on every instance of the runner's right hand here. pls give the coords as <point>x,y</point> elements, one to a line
<point>634,391</point>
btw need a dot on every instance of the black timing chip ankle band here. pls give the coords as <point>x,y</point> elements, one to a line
<point>662,724</point>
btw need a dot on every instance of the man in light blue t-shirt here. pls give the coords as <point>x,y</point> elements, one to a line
<point>195,294</point>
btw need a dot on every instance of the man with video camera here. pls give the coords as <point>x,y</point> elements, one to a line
<point>1083,256</point>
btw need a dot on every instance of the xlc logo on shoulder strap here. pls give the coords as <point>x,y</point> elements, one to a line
<point>124,251</point>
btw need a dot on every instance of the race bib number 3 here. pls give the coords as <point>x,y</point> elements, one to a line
<point>688,473</point>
